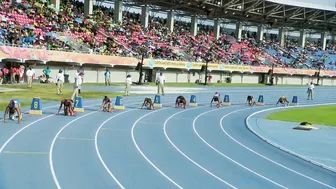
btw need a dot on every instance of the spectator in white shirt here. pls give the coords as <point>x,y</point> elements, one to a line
<point>76,86</point>
<point>310,91</point>
<point>128,84</point>
<point>30,73</point>
<point>59,81</point>
<point>160,81</point>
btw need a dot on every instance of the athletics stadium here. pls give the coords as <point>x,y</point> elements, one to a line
<point>163,94</point>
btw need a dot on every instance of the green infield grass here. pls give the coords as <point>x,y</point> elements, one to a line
<point>46,92</point>
<point>323,115</point>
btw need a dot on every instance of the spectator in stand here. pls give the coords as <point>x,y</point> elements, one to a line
<point>30,74</point>
<point>128,85</point>
<point>59,81</point>
<point>160,82</point>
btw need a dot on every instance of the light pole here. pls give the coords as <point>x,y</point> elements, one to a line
<point>142,52</point>
<point>207,60</point>
<point>318,75</point>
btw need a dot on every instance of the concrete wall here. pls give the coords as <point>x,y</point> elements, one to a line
<point>118,75</point>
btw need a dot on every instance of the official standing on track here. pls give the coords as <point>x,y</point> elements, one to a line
<point>310,91</point>
<point>160,81</point>
<point>59,81</point>
<point>76,86</point>
<point>128,84</point>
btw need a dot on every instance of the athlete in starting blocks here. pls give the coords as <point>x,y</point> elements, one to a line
<point>180,101</point>
<point>216,98</point>
<point>283,100</point>
<point>250,101</point>
<point>148,103</point>
<point>68,108</point>
<point>14,111</point>
<point>106,105</point>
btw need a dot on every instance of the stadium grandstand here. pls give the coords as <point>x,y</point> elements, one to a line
<point>265,32</point>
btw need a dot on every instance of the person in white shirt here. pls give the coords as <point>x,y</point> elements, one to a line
<point>76,86</point>
<point>310,91</point>
<point>80,87</point>
<point>128,84</point>
<point>160,81</point>
<point>30,73</point>
<point>59,81</point>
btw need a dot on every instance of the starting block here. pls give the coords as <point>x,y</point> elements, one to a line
<point>294,101</point>
<point>260,101</point>
<point>226,101</point>
<point>36,107</point>
<point>157,101</point>
<point>193,101</point>
<point>78,105</point>
<point>119,105</point>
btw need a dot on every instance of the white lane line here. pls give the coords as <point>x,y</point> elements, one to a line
<point>51,164</point>
<point>96,145</point>
<point>98,152</point>
<point>324,159</point>
<point>144,156</point>
<point>264,157</point>
<point>194,127</point>
<point>204,169</point>
<point>54,140</point>
<point>25,127</point>
<point>49,107</point>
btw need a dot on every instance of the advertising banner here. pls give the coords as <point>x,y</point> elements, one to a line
<point>60,56</point>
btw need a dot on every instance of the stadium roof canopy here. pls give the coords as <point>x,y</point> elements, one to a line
<point>255,12</point>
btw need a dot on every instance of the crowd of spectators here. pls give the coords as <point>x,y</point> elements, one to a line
<point>36,24</point>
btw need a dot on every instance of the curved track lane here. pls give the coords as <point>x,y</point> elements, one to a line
<point>202,147</point>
